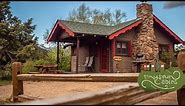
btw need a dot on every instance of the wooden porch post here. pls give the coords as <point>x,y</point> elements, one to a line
<point>113,54</point>
<point>77,53</point>
<point>57,54</point>
<point>113,47</point>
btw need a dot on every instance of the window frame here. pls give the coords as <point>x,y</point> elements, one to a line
<point>161,51</point>
<point>127,48</point>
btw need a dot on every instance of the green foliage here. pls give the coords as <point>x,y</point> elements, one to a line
<point>5,82</point>
<point>174,63</point>
<point>16,38</point>
<point>6,101</point>
<point>64,56</point>
<point>50,58</point>
<point>65,60</point>
<point>28,66</point>
<point>167,57</point>
<point>84,14</point>
<point>5,72</point>
<point>17,41</point>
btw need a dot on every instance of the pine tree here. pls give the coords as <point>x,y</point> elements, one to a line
<point>16,37</point>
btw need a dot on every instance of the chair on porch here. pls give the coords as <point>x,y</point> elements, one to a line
<point>90,64</point>
<point>85,64</point>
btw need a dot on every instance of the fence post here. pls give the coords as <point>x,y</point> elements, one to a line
<point>17,84</point>
<point>181,65</point>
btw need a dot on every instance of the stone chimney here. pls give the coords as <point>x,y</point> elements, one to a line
<point>145,41</point>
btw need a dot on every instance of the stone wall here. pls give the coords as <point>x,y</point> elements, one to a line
<point>145,41</point>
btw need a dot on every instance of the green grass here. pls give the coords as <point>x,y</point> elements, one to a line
<point>5,82</point>
<point>6,101</point>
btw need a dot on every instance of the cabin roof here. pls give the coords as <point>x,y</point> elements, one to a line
<point>95,29</point>
<point>73,28</point>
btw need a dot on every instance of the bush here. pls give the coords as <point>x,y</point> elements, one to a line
<point>65,63</point>
<point>174,64</point>
<point>28,66</point>
<point>5,72</point>
<point>65,58</point>
<point>50,58</point>
<point>167,57</point>
<point>41,62</point>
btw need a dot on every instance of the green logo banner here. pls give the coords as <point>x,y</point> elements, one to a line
<point>167,80</point>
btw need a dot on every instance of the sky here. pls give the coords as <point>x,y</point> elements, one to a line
<point>46,13</point>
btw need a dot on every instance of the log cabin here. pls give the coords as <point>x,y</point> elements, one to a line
<point>146,35</point>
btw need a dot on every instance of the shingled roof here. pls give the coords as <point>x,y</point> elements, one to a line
<point>73,28</point>
<point>86,28</point>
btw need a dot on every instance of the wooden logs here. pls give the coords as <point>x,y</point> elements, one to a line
<point>181,60</point>
<point>17,84</point>
<point>122,77</point>
<point>181,65</point>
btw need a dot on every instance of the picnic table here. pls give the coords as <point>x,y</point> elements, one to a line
<point>46,68</point>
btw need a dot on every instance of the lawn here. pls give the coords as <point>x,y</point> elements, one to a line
<point>5,82</point>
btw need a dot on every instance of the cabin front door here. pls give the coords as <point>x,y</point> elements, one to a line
<point>104,56</point>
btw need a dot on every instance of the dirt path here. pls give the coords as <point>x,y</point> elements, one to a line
<point>44,89</point>
<point>167,99</point>
<point>5,92</point>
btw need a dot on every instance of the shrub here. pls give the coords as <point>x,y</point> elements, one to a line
<point>167,57</point>
<point>174,64</point>
<point>50,58</point>
<point>5,72</point>
<point>28,66</point>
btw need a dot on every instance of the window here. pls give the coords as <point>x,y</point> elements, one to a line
<point>121,48</point>
<point>162,49</point>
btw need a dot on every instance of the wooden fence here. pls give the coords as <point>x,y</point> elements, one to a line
<point>125,94</point>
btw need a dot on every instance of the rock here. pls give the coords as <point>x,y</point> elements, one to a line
<point>146,39</point>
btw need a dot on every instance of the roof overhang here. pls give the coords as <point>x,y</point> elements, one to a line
<point>53,36</point>
<point>59,27</point>
<point>123,30</point>
<point>171,33</point>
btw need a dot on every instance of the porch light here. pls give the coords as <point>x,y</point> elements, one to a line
<point>83,34</point>
<point>94,35</point>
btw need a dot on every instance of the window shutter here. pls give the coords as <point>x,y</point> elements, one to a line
<point>129,49</point>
